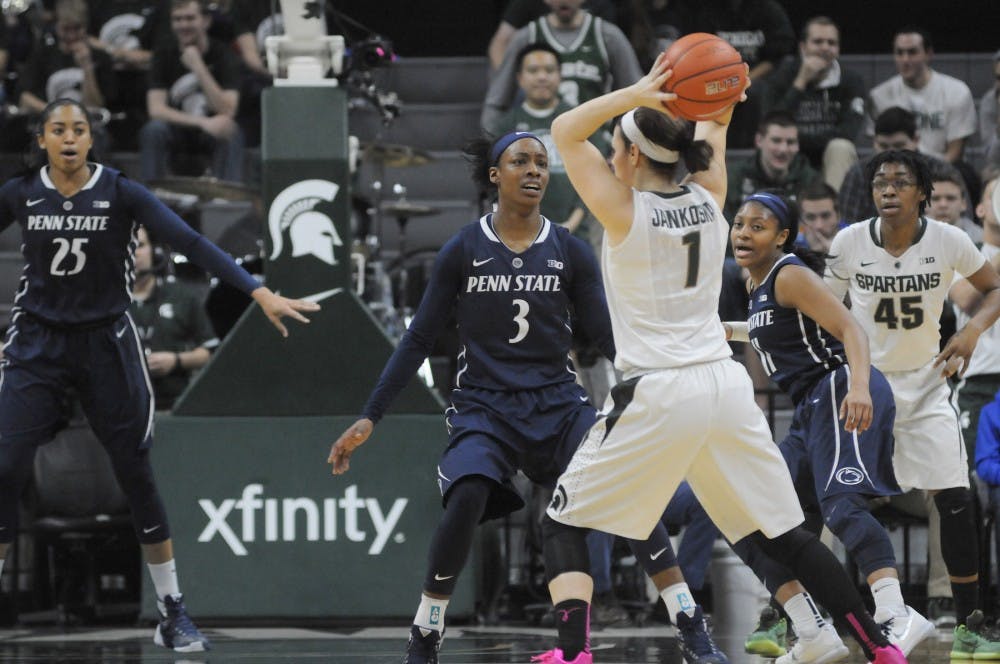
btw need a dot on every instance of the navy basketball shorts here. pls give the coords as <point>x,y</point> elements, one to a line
<point>824,458</point>
<point>496,434</point>
<point>105,367</point>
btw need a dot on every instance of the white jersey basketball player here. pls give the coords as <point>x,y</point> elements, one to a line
<point>685,408</point>
<point>897,269</point>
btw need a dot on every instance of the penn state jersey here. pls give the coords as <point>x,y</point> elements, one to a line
<point>898,300</point>
<point>793,348</point>
<point>663,282</point>
<point>513,309</point>
<point>78,251</point>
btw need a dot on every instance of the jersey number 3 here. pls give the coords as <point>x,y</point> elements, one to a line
<point>910,314</point>
<point>62,264</point>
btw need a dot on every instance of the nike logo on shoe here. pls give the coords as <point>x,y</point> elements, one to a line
<point>477,263</point>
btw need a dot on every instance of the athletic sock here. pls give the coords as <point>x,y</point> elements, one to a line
<point>678,598</point>
<point>888,595</point>
<point>430,614</point>
<point>804,615</point>
<point>966,597</point>
<point>164,577</point>
<point>573,624</point>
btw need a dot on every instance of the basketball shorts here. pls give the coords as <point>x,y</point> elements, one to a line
<point>698,422</point>
<point>824,458</point>
<point>929,453</point>
<point>496,434</point>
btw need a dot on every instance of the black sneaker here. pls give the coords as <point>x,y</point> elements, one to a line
<point>941,612</point>
<point>422,649</point>
<point>176,630</point>
<point>697,645</point>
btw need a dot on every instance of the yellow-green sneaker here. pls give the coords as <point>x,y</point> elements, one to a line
<point>769,638</point>
<point>974,641</point>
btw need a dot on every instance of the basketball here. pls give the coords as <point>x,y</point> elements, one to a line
<point>709,75</point>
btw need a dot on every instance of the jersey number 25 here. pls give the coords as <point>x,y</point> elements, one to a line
<point>62,264</point>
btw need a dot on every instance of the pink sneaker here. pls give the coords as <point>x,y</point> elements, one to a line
<point>555,656</point>
<point>889,655</point>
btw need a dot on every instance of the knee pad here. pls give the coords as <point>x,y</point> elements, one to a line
<point>655,553</point>
<point>848,517</point>
<point>564,547</point>
<point>959,539</point>
<point>786,546</point>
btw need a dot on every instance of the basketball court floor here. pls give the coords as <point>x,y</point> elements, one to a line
<point>376,645</point>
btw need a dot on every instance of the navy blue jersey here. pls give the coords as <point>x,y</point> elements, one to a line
<point>794,349</point>
<point>513,312</point>
<point>79,250</point>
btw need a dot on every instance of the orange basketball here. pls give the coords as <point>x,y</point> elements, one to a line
<point>709,75</point>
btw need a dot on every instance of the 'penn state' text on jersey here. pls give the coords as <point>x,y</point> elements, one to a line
<point>513,312</point>
<point>663,282</point>
<point>78,250</point>
<point>898,299</point>
<point>794,349</point>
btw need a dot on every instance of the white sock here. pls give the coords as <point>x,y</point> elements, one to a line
<point>889,595</point>
<point>164,579</point>
<point>430,614</point>
<point>805,616</point>
<point>678,598</point>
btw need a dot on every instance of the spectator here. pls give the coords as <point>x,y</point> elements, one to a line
<point>538,78</point>
<point>775,165</point>
<point>520,13</point>
<point>127,30</point>
<point>989,120</point>
<point>65,66</point>
<point>762,32</point>
<point>826,100</point>
<point>171,321</point>
<point>595,55</point>
<point>653,25</point>
<point>948,201</point>
<point>819,216</point>
<point>946,113</point>
<point>895,129</point>
<point>193,97</point>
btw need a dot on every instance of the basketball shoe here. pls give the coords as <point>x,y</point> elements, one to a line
<point>555,656</point>
<point>825,647</point>
<point>769,638</point>
<point>176,629</point>
<point>890,654</point>
<point>697,645</point>
<point>421,649</point>
<point>974,641</point>
<point>905,631</point>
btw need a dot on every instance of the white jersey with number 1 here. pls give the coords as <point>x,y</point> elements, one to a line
<point>663,282</point>
<point>898,299</point>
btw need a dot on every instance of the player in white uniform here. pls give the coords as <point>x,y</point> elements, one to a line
<point>897,269</point>
<point>685,408</point>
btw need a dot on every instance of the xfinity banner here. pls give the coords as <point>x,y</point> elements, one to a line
<point>261,527</point>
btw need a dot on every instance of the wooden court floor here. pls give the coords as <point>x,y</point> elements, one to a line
<point>374,645</point>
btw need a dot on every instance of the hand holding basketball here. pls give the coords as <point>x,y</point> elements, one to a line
<point>708,76</point>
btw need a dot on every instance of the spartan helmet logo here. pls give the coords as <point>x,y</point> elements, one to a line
<point>310,231</point>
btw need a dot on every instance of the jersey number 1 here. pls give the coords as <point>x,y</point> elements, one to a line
<point>61,263</point>
<point>693,242</point>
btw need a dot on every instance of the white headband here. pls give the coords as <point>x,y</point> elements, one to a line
<point>646,146</point>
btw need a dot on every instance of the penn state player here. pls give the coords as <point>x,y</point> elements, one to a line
<point>685,408</point>
<point>897,268</point>
<point>70,329</point>
<point>839,447</point>
<point>511,279</point>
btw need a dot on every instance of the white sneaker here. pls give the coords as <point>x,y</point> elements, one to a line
<point>904,631</point>
<point>822,648</point>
